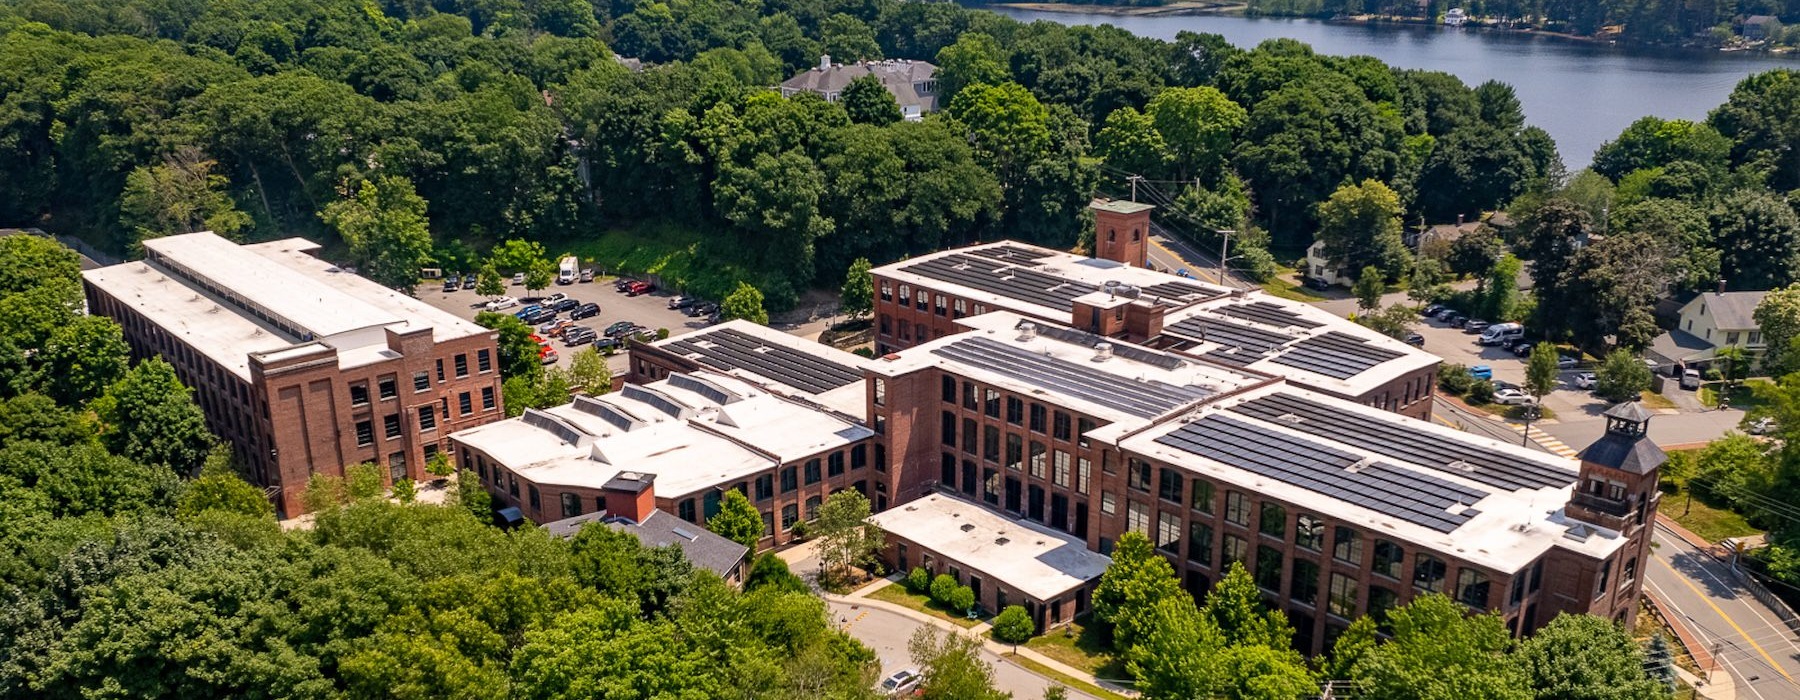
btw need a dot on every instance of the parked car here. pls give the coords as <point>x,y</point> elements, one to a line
<point>546,354</point>
<point>1431,310</point>
<point>566,304</point>
<point>1586,380</point>
<point>1317,284</point>
<point>901,683</point>
<point>1415,340</point>
<point>499,303</point>
<point>518,279</point>
<point>1458,320</point>
<point>535,338</point>
<point>1523,349</point>
<point>555,328</point>
<point>619,328</point>
<point>1501,333</point>
<point>1566,362</point>
<point>587,310</point>
<point>578,335</point>
<point>622,282</point>
<point>1444,314</point>
<point>539,316</point>
<point>702,309</point>
<point>526,310</point>
<point>1511,397</point>
<point>1481,372</point>
<point>1475,325</point>
<point>1690,379</point>
<point>553,298</point>
<point>587,275</point>
<point>1761,426</point>
<point>469,281</point>
<point>601,343</point>
<point>452,283</point>
<point>638,288</point>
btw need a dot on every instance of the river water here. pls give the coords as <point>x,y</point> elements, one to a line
<point>1583,93</point>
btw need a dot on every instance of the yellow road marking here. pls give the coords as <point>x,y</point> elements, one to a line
<point>1184,261</point>
<point>1734,625</point>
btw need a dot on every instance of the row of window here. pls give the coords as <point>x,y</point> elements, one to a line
<point>1032,416</point>
<point>391,429</point>
<point>387,385</point>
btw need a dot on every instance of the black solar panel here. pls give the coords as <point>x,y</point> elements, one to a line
<point>1266,312</point>
<point>612,415</point>
<point>1177,289</point>
<point>1232,356</point>
<point>1212,330</point>
<point>1396,440</point>
<point>711,391</point>
<point>1336,355</point>
<point>727,349</point>
<point>1089,340</point>
<point>1412,496</point>
<point>1012,252</point>
<point>1143,399</point>
<point>1007,278</point>
<point>543,421</point>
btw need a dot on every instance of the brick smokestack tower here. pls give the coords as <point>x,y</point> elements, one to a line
<point>1121,231</point>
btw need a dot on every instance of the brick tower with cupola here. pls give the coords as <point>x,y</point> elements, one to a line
<point>1617,491</point>
<point>1121,231</point>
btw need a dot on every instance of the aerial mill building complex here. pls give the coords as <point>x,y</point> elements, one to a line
<point>1027,407</point>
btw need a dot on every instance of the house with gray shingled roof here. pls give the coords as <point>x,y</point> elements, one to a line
<point>913,83</point>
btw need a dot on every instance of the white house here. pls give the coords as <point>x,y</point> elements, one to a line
<point>1710,321</point>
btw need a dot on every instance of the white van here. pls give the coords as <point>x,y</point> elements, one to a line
<point>1690,379</point>
<point>1500,333</point>
<point>567,270</point>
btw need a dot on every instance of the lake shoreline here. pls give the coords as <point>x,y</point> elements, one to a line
<point>1174,9</point>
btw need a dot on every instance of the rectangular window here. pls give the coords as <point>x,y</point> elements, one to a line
<point>427,418</point>
<point>1037,418</point>
<point>1168,532</point>
<point>990,403</point>
<point>1170,486</point>
<point>1037,459</point>
<point>1015,451</point>
<point>834,464</point>
<point>947,427</point>
<point>880,391</point>
<point>1107,505</point>
<point>1137,517</point>
<point>859,457</point>
<point>990,443</point>
<point>512,485</point>
<point>536,501</point>
<point>1268,567</point>
<point>487,398</point>
<point>1303,585</point>
<point>359,394</point>
<point>391,426</point>
<point>484,362</point>
<point>1273,521</point>
<point>1237,508</point>
<point>1234,548</point>
<point>1200,544</point>
<point>1137,474</point>
<point>1084,470</point>
<point>365,433</point>
<point>942,304</point>
<point>1388,557</point>
<point>465,403</point>
<point>968,392</point>
<point>790,514</point>
<point>1347,546</point>
<point>462,370</point>
<point>949,389</point>
<point>1600,582</point>
<point>947,469</point>
<point>970,435</point>
<point>1059,468</point>
<point>790,479</point>
<point>1472,588</point>
<point>571,503</point>
<point>990,486</point>
<point>388,388</point>
<point>1202,496</point>
<point>1428,573</point>
<point>812,471</point>
<point>887,290</point>
<point>1381,600</point>
<point>1087,425</point>
<point>1059,425</point>
<point>1015,410</point>
<point>440,369</point>
<point>765,487</point>
<point>1309,533</point>
<point>962,308</point>
<point>421,381</point>
<point>1342,600</point>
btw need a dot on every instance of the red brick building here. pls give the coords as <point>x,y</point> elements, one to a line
<point>302,367</point>
<point>921,299</point>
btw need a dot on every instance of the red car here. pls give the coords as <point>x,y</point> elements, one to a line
<point>546,354</point>
<point>636,288</point>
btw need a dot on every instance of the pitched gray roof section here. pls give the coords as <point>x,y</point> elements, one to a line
<point>701,547</point>
<point>1637,455</point>
<point>905,79</point>
<point>1732,310</point>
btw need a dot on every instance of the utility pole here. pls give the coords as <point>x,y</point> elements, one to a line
<point>1134,180</point>
<point>1224,239</point>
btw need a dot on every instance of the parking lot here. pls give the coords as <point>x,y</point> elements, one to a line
<point>1459,347</point>
<point>649,310</point>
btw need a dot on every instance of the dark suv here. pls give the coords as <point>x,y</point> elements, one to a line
<point>587,310</point>
<point>566,305</point>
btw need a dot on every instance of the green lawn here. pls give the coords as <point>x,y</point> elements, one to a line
<point>1742,396</point>
<point>1285,286</point>
<point>897,594</point>
<point>1653,401</point>
<point>1064,678</point>
<point>1082,647</point>
<point>1710,523</point>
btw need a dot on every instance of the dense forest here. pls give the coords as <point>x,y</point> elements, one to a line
<point>1699,22</point>
<point>508,120</point>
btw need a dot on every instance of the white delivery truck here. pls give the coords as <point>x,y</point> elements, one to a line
<point>568,270</point>
<point>1499,333</point>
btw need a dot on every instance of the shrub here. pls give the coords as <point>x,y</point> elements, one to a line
<point>662,334</point>
<point>404,491</point>
<point>1013,625</point>
<point>942,588</point>
<point>1481,392</point>
<point>918,580</point>
<point>1713,374</point>
<point>1455,379</point>
<point>962,599</point>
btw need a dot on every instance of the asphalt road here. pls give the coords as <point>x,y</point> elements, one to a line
<point>1760,652</point>
<point>887,632</point>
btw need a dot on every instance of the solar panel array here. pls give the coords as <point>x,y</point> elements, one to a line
<point>711,391</point>
<point>1233,357</point>
<point>1415,497</point>
<point>728,349</point>
<point>1008,251</point>
<point>1227,333</point>
<point>543,421</point>
<point>1398,441</point>
<point>612,415</point>
<point>1130,352</point>
<point>1004,278</point>
<point>1267,312</point>
<point>657,401</point>
<point>1177,289</point>
<point>1143,399</point>
<point>1336,355</point>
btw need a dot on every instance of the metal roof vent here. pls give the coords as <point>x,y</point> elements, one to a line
<point>1103,352</point>
<point>1001,540</point>
<point>1290,418</point>
<point>1027,331</point>
<point>967,527</point>
<point>1462,465</point>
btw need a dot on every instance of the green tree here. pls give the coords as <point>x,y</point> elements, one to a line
<point>1396,321</point>
<point>180,195</point>
<point>1013,625</point>
<point>1198,125</point>
<point>440,465</point>
<point>1360,227</point>
<point>219,488</point>
<point>588,370</point>
<point>745,302</point>
<point>1475,252</point>
<point>1652,142</point>
<point>1733,363</point>
<point>518,352</point>
<point>737,520</point>
<point>1541,370</point>
<point>1130,142</point>
<point>857,298</point>
<point>1368,288</point>
<point>80,359</point>
<point>539,389</point>
<point>515,255</point>
<point>1759,121</point>
<point>472,496</point>
<point>1778,317</point>
<point>1177,656</point>
<point>848,38</point>
<point>1236,607</point>
<point>1355,643</point>
<point>1758,239</point>
<point>769,571</point>
<point>846,538</point>
<point>1134,581</point>
<point>1621,376</point>
<point>1440,652</point>
<point>950,666</point>
<point>150,416</point>
<point>1582,657</point>
<point>974,59</point>
<point>867,101</point>
<point>539,274</point>
<point>384,223</point>
<point>1500,289</point>
<point>488,282</point>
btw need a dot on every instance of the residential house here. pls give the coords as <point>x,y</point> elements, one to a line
<point>913,83</point>
<point>1710,321</point>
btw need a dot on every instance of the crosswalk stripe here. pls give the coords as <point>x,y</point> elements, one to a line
<point>1546,440</point>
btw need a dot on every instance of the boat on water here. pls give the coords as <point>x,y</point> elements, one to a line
<point>1456,17</point>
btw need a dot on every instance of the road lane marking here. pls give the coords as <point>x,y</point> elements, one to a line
<point>1196,270</point>
<point>1727,618</point>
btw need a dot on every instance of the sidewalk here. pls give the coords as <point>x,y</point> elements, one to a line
<point>860,597</point>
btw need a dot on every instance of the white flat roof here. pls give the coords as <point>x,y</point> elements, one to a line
<point>801,373</point>
<point>1080,273</point>
<point>677,429</point>
<point>1509,528</point>
<point>1311,323</point>
<point>228,301</point>
<point>1038,561</point>
<point>1067,372</point>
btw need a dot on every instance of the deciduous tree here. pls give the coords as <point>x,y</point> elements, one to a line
<point>1440,652</point>
<point>950,666</point>
<point>1583,657</point>
<point>1621,376</point>
<point>384,223</point>
<point>846,538</point>
<point>745,302</point>
<point>857,298</point>
<point>150,416</point>
<point>737,520</point>
<point>1360,227</point>
<point>867,101</point>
